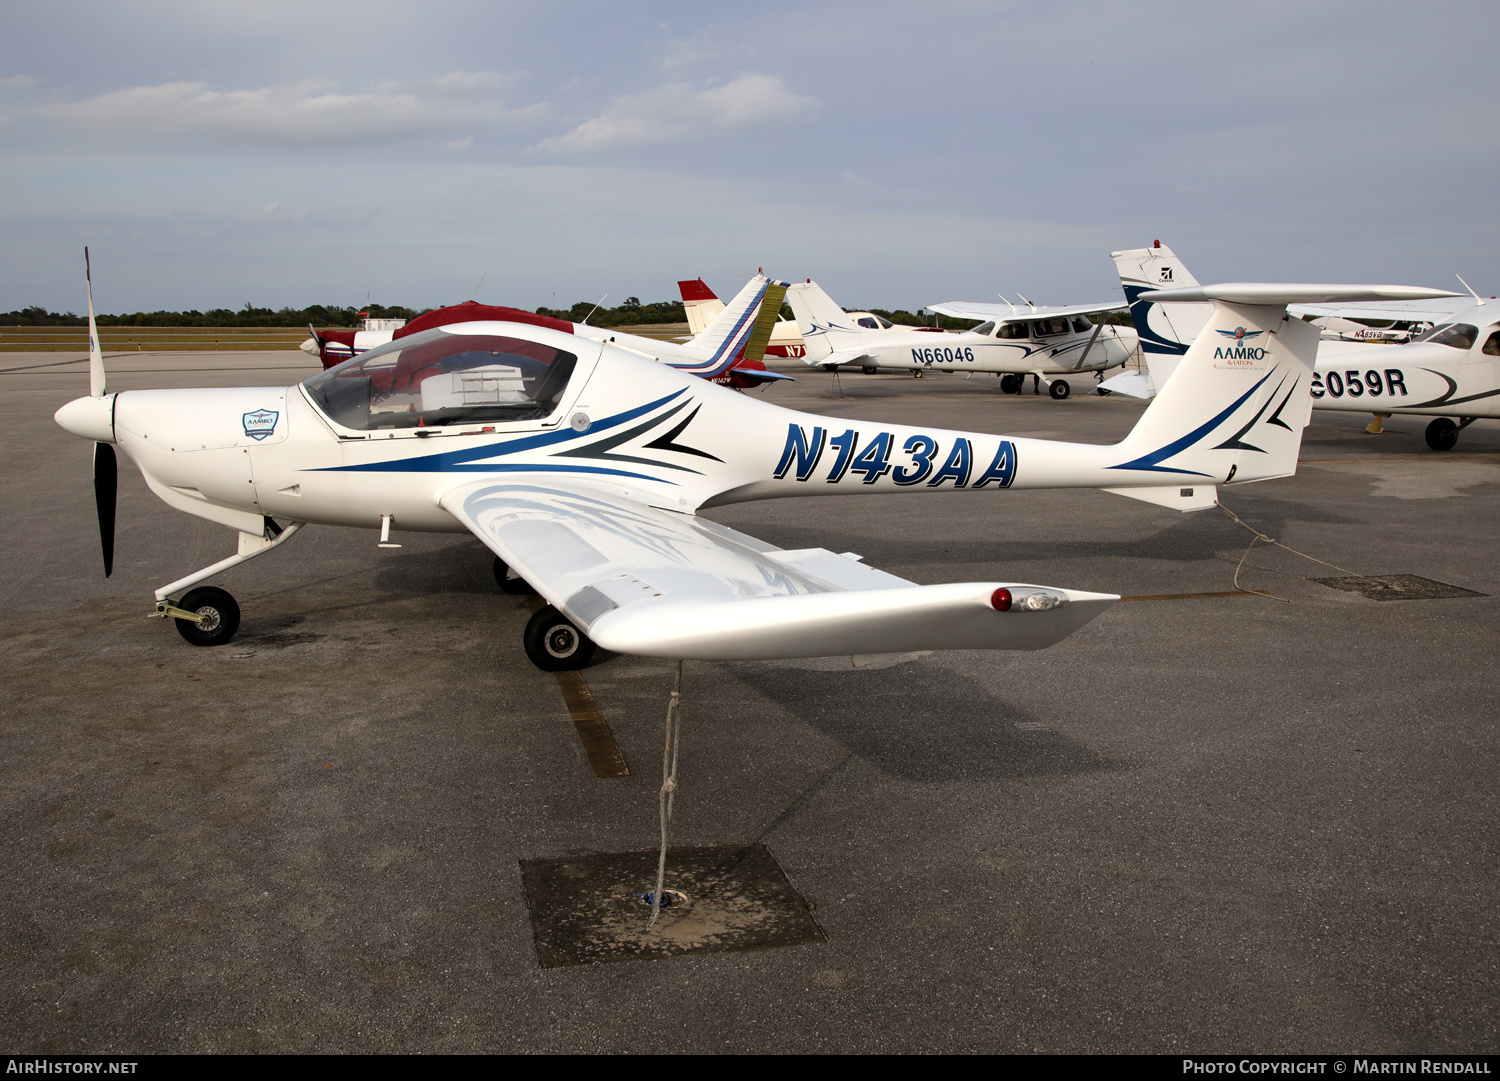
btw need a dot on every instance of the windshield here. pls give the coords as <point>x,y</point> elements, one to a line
<point>1458,335</point>
<point>983,328</point>
<point>437,378</point>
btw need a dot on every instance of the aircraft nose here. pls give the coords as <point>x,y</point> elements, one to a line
<point>91,418</point>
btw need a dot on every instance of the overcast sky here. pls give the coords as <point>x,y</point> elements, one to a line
<point>218,153</point>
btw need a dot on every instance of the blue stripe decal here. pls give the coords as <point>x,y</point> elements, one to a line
<point>454,461</point>
<point>1147,463</point>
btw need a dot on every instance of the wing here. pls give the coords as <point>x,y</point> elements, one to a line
<point>970,309</point>
<point>651,582</point>
<point>1423,311</point>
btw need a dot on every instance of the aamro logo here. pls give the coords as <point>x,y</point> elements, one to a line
<point>260,423</point>
<point>1239,334</point>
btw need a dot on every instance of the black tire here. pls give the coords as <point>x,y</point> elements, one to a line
<point>917,374</point>
<point>1059,389</point>
<point>509,581</point>
<point>869,369</point>
<point>1103,392</point>
<point>554,644</point>
<point>1010,384</point>
<point>830,367</point>
<point>1442,434</point>
<point>222,612</point>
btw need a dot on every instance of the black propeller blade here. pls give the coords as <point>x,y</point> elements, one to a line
<point>106,481</point>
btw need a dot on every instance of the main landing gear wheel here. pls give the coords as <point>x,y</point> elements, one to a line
<point>830,367</point>
<point>509,581</point>
<point>553,644</point>
<point>1010,384</point>
<point>221,617</point>
<point>869,369</point>
<point>917,374</point>
<point>1059,389</point>
<point>1442,434</point>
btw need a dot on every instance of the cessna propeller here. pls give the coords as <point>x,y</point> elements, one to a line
<point>106,468</point>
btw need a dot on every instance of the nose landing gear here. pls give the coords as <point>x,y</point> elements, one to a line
<point>209,616</point>
<point>1442,434</point>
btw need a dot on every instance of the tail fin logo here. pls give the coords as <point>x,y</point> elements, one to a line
<point>1239,334</point>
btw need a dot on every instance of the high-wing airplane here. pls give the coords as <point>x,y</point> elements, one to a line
<point>702,305</point>
<point>1011,342</point>
<point>584,467</point>
<point>1452,369</point>
<point>727,350</point>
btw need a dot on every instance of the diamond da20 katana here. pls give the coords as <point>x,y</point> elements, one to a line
<point>584,468</point>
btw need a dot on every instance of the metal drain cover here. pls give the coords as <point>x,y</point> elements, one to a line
<point>587,909</point>
<point>1396,587</point>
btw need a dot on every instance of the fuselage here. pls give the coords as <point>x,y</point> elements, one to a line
<point>1452,373</point>
<point>390,432</point>
<point>1046,345</point>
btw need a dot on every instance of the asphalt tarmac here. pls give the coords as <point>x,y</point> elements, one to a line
<point>1211,825</point>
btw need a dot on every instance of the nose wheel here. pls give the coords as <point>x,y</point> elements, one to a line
<point>218,616</point>
<point>1059,389</point>
<point>554,644</point>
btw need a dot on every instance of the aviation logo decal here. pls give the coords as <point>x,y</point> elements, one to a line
<point>260,423</point>
<point>803,451</point>
<point>1239,334</point>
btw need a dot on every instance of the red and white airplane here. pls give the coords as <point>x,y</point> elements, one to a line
<point>727,349</point>
<point>703,306</point>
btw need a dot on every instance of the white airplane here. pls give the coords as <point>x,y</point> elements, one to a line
<point>702,304</point>
<point>1450,370</point>
<point>726,350</point>
<point>1012,342</point>
<point>583,467</point>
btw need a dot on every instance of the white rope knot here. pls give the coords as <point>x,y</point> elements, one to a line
<point>1259,536</point>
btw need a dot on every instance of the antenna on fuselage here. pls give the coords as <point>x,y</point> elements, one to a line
<point>1470,288</point>
<point>1012,306</point>
<point>592,310</point>
<point>1026,302</point>
<point>475,293</point>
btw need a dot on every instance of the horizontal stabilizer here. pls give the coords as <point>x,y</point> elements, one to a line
<point>1004,313</point>
<point>1130,383</point>
<point>1280,293</point>
<point>1173,496</point>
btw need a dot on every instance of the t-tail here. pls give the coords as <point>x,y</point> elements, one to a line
<point>1235,408</point>
<point>1166,330</point>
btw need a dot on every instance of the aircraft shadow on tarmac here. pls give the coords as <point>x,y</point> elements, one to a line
<point>921,721</point>
<point>1184,539</point>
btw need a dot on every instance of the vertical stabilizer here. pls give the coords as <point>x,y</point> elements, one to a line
<point>1235,408</point>
<point>1166,330</point>
<point>824,326</point>
<point>701,304</point>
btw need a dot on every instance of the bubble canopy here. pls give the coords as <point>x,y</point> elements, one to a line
<point>440,377</point>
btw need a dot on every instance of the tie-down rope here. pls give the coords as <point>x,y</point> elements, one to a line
<point>668,788</point>
<point>1259,536</point>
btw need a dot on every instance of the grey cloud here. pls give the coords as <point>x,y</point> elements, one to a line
<point>676,112</point>
<point>303,113</point>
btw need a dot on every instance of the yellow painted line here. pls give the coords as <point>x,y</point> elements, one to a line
<point>1196,596</point>
<point>605,757</point>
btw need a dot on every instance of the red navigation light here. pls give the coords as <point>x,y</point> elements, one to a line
<point>1000,600</point>
<point>1156,243</point>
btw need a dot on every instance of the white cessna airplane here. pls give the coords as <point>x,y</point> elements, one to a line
<point>1011,342</point>
<point>583,467</point>
<point>1450,370</point>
